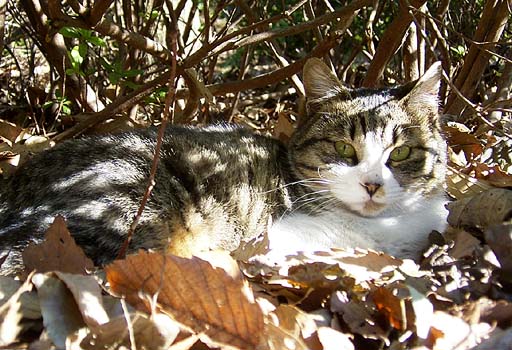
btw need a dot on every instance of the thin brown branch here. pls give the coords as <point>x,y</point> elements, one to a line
<point>120,105</point>
<point>278,75</point>
<point>98,10</point>
<point>389,43</point>
<point>168,116</point>
<point>345,13</point>
<point>490,27</point>
<point>229,42</point>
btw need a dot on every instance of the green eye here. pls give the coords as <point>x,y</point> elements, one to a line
<point>345,150</point>
<point>400,153</point>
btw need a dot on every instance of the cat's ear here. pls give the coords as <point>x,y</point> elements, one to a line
<point>424,93</point>
<point>320,82</point>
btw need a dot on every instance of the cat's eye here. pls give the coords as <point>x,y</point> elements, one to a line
<point>400,153</point>
<point>345,150</point>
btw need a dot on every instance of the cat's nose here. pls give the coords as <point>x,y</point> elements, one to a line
<point>371,188</point>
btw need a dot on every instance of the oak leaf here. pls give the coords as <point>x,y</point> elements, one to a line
<point>58,252</point>
<point>204,299</point>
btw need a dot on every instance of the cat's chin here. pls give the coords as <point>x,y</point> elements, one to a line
<point>369,208</point>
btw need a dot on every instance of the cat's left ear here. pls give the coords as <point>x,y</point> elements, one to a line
<point>425,92</point>
<point>320,83</point>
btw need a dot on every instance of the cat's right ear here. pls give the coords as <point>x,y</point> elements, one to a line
<point>320,83</point>
<point>425,92</point>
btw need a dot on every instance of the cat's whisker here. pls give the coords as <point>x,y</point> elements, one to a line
<point>304,200</point>
<point>305,203</point>
<point>328,202</point>
<point>304,197</point>
<point>303,182</point>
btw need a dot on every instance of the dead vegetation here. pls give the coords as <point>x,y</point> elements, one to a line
<point>87,67</point>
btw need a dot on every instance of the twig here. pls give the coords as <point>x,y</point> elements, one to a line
<point>275,76</point>
<point>168,115</point>
<point>118,106</point>
<point>475,108</point>
<point>129,324</point>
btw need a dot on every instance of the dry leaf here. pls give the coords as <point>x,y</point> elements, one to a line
<point>29,304</point>
<point>331,339</point>
<point>295,322</point>
<point>283,129</point>
<point>11,315</point>
<point>203,298</point>
<point>391,306</point>
<point>498,340</point>
<point>499,239</point>
<point>9,132</point>
<point>493,175</point>
<point>276,338</point>
<point>58,252</point>
<point>256,246</point>
<point>357,317</point>
<point>61,316</point>
<point>159,332</point>
<point>454,333</point>
<point>465,244</point>
<point>461,140</point>
<point>491,207</point>
<point>87,294</point>
<point>460,185</point>
<point>499,311</point>
<point>423,312</point>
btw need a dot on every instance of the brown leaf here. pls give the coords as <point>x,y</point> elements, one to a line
<point>283,129</point>
<point>499,311</point>
<point>87,295</point>
<point>297,323</point>
<point>9,132</point>
<point>499,239</point>
<point>465,244</point>
<point>29,303</point>
<point>461,140</point>
<point>159,332</point>
<point>277,338</point>
<point>58,252</point>
<point>391,306</point>
<point>256,246</point>
<point>10,315</point>
<point>460,185</point>
<point>332,339</point>
<point>491,207</point>
<point>493,175</point>
<point>203,298</point>
<point>61,316</point>
<point>358,318</point>
<point>454,333</point>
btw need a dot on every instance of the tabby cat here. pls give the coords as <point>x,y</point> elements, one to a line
<point>365,169</point>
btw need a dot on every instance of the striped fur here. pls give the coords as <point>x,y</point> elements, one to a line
<point>217,186</point>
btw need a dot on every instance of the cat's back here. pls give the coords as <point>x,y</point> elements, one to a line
<point>218,179</point>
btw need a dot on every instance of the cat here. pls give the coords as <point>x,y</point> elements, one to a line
<point>376,164</point>
<point>366,168</point>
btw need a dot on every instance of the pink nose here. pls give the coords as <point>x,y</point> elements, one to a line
<point>371,188</point>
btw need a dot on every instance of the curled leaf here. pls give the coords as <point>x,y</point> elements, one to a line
<point>488,208</point>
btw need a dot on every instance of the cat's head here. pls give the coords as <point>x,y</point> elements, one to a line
<point>369,150</point>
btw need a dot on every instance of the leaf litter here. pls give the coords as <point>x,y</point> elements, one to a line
<point>457,297</point>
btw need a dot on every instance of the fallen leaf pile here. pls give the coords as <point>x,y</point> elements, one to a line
<point>458,298</point>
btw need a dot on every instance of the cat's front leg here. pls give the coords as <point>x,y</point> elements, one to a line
<point>303,232</point>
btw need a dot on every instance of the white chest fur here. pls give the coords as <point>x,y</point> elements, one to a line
<point>401,232</point>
